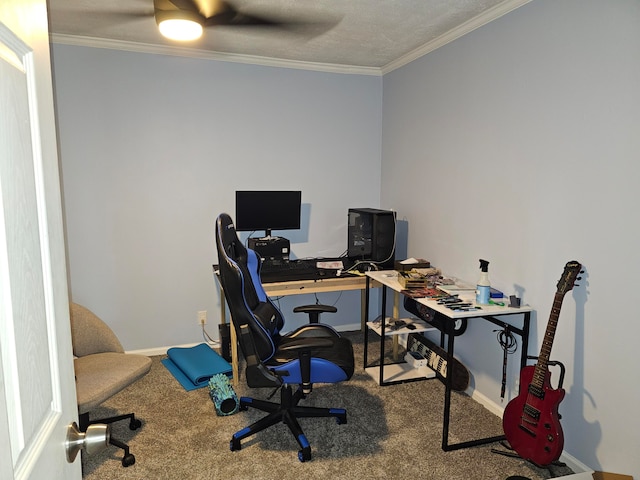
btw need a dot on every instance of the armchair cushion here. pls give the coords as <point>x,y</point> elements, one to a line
<point>101,366</point>
<point>102,375</point>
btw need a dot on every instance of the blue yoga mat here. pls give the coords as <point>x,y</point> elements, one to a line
<point>194,366</point>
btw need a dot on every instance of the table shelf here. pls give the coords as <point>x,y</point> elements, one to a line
<point>420,326</point>
<point>399,372</point>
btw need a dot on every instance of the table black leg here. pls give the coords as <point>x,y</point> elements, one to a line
<point>524,334</point>
<point>366,320</point>
<point>447,388</point>
<point>382,332</point>
<point>525,340</point>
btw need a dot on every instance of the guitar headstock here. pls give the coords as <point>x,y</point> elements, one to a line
<point>569,276</point>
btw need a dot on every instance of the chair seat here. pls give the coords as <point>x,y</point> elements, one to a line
<point>340,355</point>
<point>102,375</point>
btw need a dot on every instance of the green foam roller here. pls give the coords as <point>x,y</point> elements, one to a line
<point>222,395</point>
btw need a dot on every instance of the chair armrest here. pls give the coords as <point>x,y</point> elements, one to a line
<point>316,307</point>
<point>303,346</point>
<point>315,310</point>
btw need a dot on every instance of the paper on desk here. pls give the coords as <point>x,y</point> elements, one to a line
<point>427,271</point>
<point>411,261</point>
<point>332,265</point>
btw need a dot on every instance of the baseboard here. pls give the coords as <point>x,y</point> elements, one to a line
<point>152,352</point>
<point>573,463</point>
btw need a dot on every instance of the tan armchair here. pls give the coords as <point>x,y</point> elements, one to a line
<point>102,369</point>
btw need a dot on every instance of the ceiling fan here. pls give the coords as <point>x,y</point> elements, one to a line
<point>185,20</point>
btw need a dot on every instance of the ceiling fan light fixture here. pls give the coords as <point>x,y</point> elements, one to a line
<point>179,25</point>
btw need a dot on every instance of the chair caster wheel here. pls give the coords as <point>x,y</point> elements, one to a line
<point>128,460</point>
<point>234,445</point>
<point>341,420</point>
<point>135,424</point>
<point>304,455</point>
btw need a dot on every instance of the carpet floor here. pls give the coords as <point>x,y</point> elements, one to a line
<point>392,432</point>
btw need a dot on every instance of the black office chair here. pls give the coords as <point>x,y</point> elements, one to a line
<point>314,353</point>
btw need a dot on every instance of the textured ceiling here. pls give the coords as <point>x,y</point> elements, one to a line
<point>346,33</point>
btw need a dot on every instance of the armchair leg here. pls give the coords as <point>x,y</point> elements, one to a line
<point>128,459</point>
<point>287,411</point>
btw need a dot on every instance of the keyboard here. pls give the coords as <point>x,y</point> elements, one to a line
<point>291,270</point>
<point>303,269</point>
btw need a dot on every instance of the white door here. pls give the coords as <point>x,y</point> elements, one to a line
<point>37,387</point>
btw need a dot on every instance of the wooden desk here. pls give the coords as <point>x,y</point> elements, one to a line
<point>300,287</point>
<point>490,313</point>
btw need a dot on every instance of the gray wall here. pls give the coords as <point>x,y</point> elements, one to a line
<point>519,143</point>
<point>153,148</point>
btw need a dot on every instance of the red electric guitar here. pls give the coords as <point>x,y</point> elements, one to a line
<point>531,422</point>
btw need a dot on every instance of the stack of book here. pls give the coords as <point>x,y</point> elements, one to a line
<point>412,279</point>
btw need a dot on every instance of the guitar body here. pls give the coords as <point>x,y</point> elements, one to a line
<point>531,421</point>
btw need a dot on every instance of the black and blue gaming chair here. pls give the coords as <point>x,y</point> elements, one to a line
<point>314,353</point>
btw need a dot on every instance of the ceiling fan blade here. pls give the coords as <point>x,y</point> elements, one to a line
<point>237,19</point>
<point>223,13</point>
<point>61,18</point>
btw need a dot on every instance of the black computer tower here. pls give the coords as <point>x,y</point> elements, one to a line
<point>372,236</point>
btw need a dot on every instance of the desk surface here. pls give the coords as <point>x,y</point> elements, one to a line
<point>319,285</point>
<point>328,284</point>
<point>389,278</point>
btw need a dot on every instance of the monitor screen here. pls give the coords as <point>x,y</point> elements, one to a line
<point>268,210</point>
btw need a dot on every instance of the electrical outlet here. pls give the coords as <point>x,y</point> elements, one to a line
<point>202,317</point>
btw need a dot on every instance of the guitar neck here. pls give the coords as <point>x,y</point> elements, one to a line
<point>547,342</point>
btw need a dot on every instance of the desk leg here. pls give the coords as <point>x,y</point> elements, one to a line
<point>366,319</point>
<point>363,307</point>
<point>524,333</point>
<point>396,316</point>
<point>447,392</point>
<point>234,339</point>
<point>383,321</point>
<point>234,354</point>
<point>446,446</point>
<point>525,339</point>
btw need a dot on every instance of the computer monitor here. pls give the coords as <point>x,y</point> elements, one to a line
<point>267,210</point>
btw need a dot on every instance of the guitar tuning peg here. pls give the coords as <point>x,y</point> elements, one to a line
<point>579,278</point>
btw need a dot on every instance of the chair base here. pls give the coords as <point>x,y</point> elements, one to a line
<point>287,412</point>
<point>128,459</point>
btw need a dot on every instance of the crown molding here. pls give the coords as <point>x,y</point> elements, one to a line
<point>470,25</point>
<point>94,42</point>
<point>488,16</point>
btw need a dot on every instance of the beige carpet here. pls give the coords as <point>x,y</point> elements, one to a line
<point>392,432</point>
